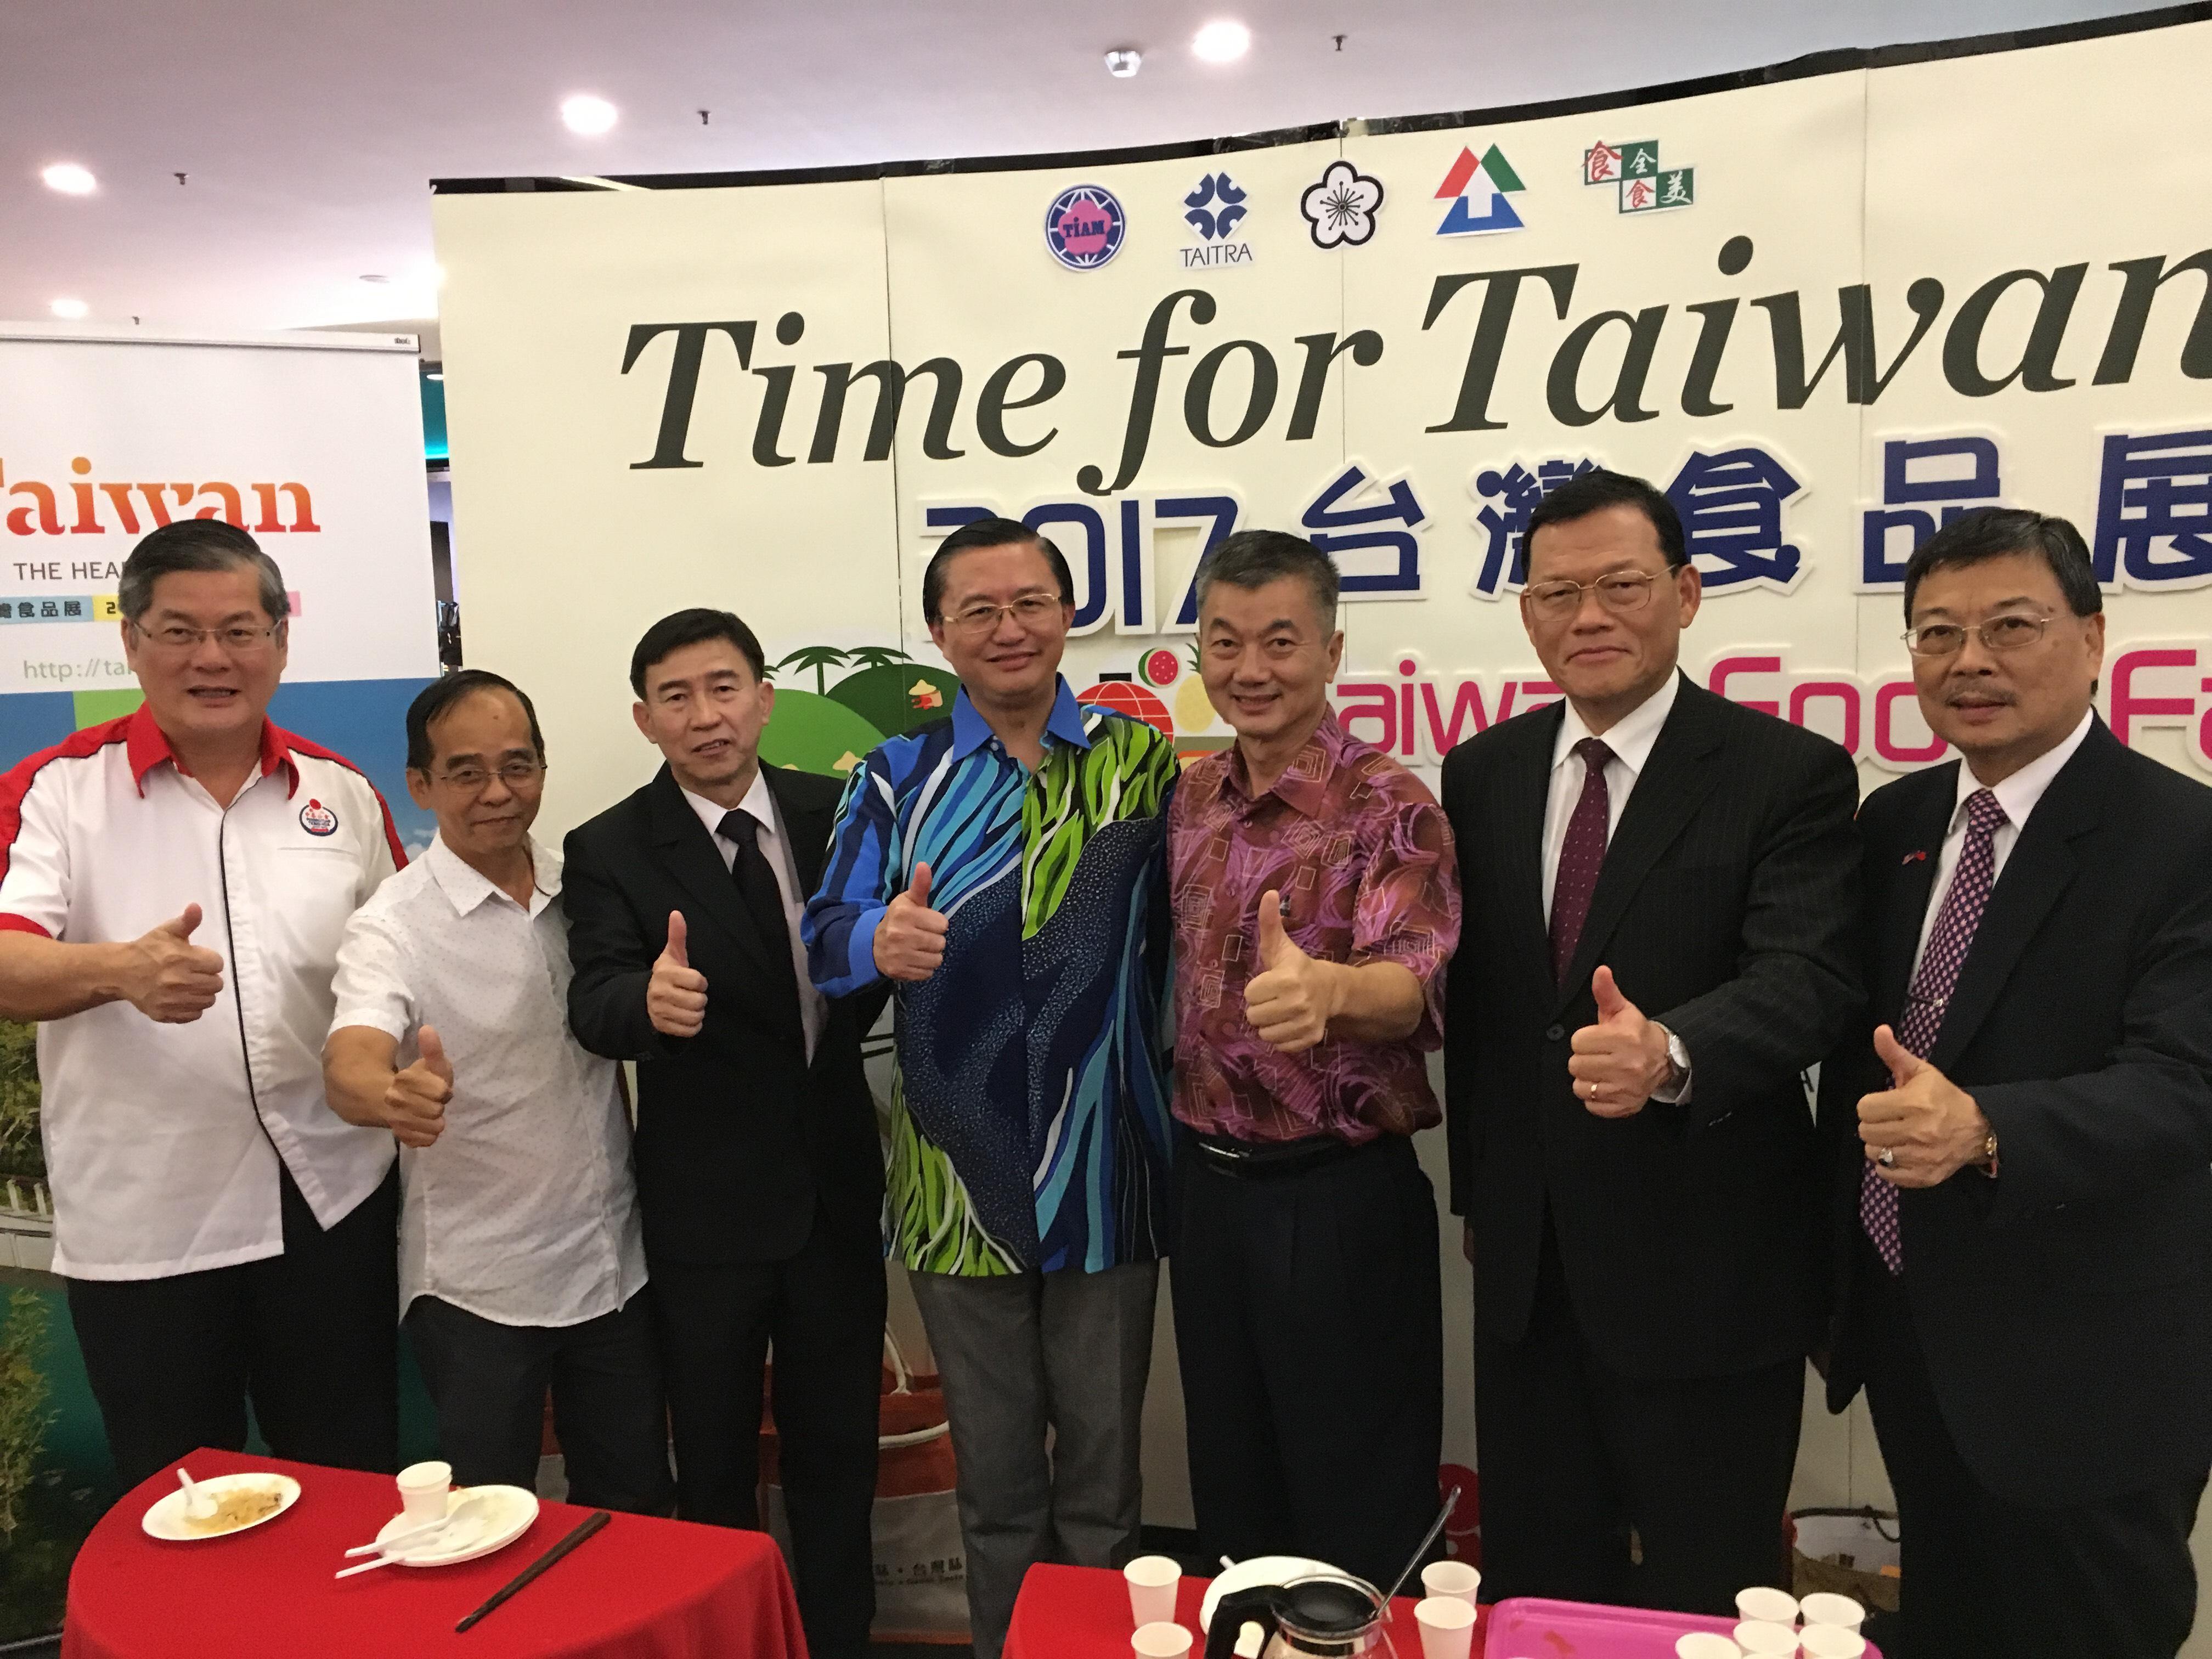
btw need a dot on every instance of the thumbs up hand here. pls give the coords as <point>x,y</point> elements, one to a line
<point>1929,1127</point>
<point>910,942</point>
<point>1291,1000</point>
<point>414,1101</point>
<point>676,995</point>
<point>1618,1063</point>
<point>169,978</point>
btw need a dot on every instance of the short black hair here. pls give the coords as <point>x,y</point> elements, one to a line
<point>436,700</point>
<point>988,532</point>
<point>672,632</point>
<point>1597,490</point>
<point>199,544</point>
<point>1253,558</point>
<point>1998,532</point>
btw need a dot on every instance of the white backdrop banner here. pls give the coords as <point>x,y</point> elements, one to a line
<point>1825,312</point>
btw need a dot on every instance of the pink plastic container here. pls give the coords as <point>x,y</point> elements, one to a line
<point>1527,1627</point>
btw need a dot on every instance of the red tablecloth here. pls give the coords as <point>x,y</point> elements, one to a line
<point>1083,1613</point>
<point>641,1589</point>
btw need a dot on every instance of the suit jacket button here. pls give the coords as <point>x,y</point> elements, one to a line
<point>1557,1033</point>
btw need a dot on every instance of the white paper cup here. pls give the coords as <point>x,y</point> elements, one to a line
<point>1767,1605</point>
<point>1823,1608</point>
<point>1831,1642</point>
<point>1761,1637</point>
<point>1447,1627</point>
<point>1153,1580</point>
<point>1705,1644</point>
<point>1160,1639</point>
<point>1453,1578</point>
<point>422,1489</point>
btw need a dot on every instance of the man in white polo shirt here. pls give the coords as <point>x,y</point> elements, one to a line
<point>521,1261</point>
<point>172,888</point>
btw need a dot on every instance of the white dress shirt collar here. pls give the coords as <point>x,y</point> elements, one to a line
<point>758,805</point>
<point>2019,794</point>
<point>1630,736</point>
<point>465,886</point>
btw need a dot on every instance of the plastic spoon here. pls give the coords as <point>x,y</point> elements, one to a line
<point>473,1511</point>
<point>197,1504</point>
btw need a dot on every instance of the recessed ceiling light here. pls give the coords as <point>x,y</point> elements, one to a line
<point>1222,42</point>
<point>70,179</point>
<point>587,115</point>
<point>70,310</point>
<point>1124,63</point>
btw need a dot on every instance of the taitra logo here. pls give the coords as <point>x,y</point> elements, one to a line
<point>318,819</point>
<point>1083,226</point>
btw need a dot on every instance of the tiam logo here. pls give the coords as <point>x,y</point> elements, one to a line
<point>1083,226</point>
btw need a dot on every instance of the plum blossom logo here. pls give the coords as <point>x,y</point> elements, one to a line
<point>1342,208</point>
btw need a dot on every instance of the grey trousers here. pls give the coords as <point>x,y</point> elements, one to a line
<point>1061,1354</point>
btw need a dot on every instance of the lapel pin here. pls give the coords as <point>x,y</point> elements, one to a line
<point>1920,857</point>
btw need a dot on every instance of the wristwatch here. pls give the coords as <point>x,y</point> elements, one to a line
<point>1678,1067</point>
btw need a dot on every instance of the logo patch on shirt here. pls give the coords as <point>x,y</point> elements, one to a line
<point>318,819</point>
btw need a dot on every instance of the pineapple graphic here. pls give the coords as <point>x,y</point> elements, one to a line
<point>1193,710</point>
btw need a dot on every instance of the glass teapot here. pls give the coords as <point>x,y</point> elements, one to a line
<point>1323,1615</point>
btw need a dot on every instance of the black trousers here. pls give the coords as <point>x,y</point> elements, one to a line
<point>1308,1314</point>
<point>1986,1577</point>
<point>1574,1455</point>
<point>310,1336</point>
<point>489,1382</point>
<point>823,1309</point>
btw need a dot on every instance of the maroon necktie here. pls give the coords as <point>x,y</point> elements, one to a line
<point>1948,942</point>
<point>1581,854</point>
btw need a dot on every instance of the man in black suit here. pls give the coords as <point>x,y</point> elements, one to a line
<point>758,1166</point>
<point>1659,891</point>
<point>2024,1204</point>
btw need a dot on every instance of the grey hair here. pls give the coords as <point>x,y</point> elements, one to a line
<point>199,544</point>
<point>1253,558</point>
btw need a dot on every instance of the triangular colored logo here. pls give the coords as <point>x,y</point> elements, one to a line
<point>1461,170</point>
<point>1499,169</point>
<point>1460,222</point>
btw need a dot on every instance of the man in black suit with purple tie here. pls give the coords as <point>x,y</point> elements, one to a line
<point>2021,1130</point>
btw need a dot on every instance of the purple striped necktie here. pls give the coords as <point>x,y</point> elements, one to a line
<point>1582,853</point>
<point>1948,941</point>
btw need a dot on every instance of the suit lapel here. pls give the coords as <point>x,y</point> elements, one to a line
<point>1911,879</point>
<point>1528,789</point>
<point>692,858</point>
<point>808,828</point>
<point>2042,866</point>
<point>1674,782</point>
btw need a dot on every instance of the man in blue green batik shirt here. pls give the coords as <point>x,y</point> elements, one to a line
<point>1004,869</point>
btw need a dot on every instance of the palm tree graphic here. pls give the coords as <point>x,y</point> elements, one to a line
<point>818,658</point>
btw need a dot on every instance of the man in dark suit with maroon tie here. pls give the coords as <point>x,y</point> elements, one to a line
<point>1660,886</point>
<point>2022,1131</point>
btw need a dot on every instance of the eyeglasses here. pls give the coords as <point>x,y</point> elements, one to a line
<point>515,775</point>
<point>1621,592</point>
<point>2007,633</point>
<point>237,641</point>
<point>1030,611</point>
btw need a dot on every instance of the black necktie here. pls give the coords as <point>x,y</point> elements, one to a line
<point>764,899</point>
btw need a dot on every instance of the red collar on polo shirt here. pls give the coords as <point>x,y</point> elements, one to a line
<point>148,746</point>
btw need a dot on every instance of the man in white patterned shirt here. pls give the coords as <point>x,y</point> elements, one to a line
<point>521,1263</point>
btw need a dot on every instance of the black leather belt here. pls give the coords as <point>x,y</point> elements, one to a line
<point>1248,1160</point>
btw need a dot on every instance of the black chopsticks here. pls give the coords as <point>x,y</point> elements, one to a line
<point>584,1529</point>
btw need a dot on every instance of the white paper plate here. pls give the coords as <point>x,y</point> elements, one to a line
<point>165,1519</point>
<point>513,1510</point>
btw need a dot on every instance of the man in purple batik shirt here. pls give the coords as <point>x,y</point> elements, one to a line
<point>1316,901</point>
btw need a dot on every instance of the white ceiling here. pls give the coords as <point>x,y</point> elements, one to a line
<point>307,130</point>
